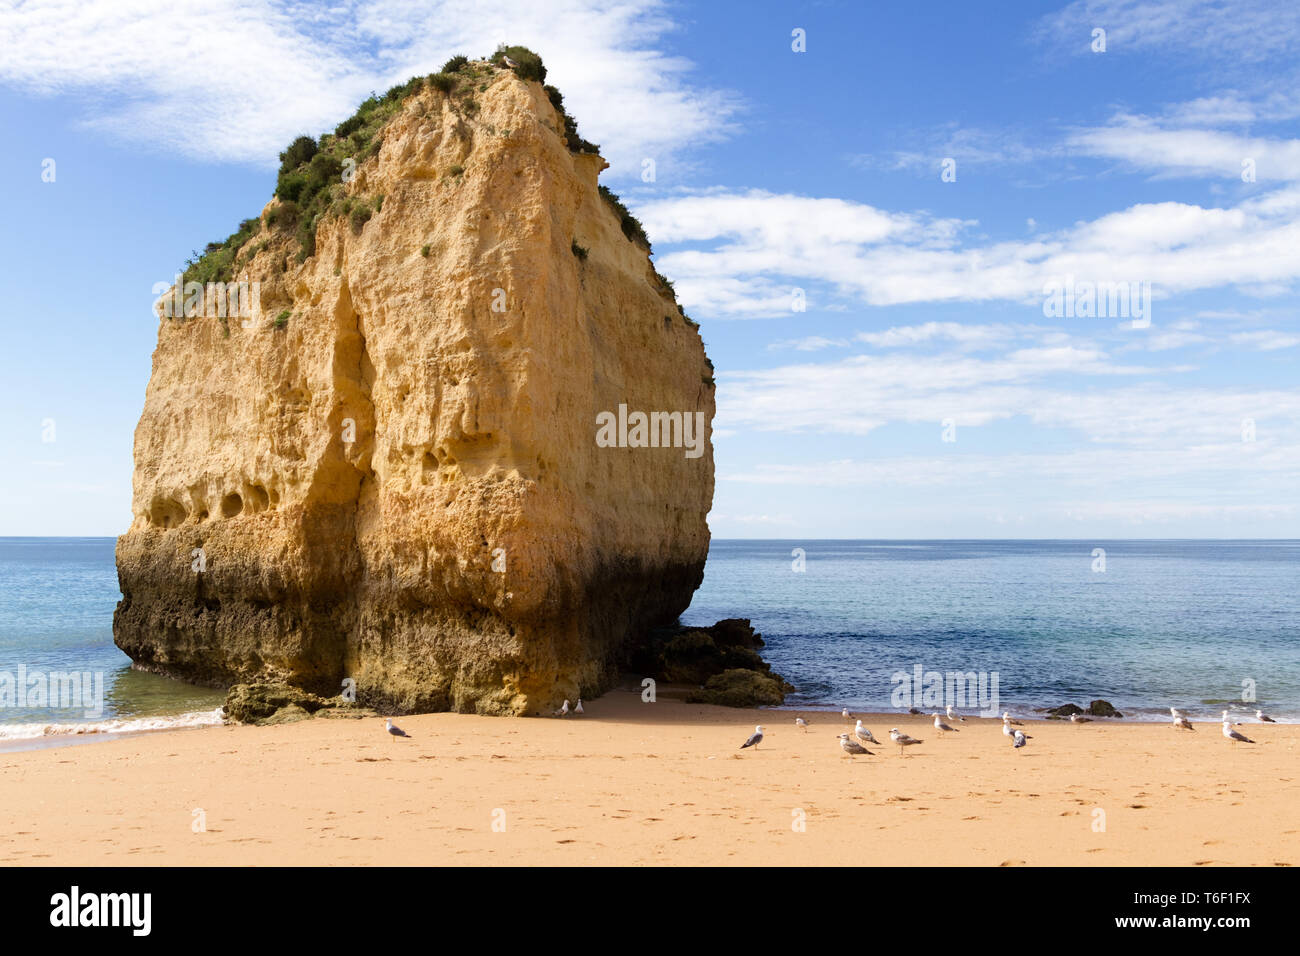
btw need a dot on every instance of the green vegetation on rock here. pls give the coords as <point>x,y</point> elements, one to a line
<point>309,185</point>
<point>629,223</point>
<point>528,64</point>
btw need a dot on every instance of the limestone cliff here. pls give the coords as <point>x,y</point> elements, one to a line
<point>388,471</point>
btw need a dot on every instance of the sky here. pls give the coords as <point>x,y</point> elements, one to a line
<point>877,212</point>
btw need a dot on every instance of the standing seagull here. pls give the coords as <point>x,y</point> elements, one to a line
<point>395,730</point>
<point>1077,719</point>
<point>852,747</point>
<point>754,740</point>
<point>564,710</point>
<point>1260,715</point>
<point>953,715</point>
<point>1019,740</point>
<point>845,714</point>
<point>902,739</point>
<point>578,709</point>
<point>801,724</point>
<point>508,62</point>
<point>1234,736</point>
<point>1182,723</point>
<point>943,728</point>
<point>864,735</point>
<point>1008,732</point>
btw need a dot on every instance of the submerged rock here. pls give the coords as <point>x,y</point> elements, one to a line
<point>390,470</point>
<point>1103,708</point>
<point>723,659</point>
<point>1098,708</point>
<point>740,687</point>
<point>1065,710</point>
<point>281,704</point>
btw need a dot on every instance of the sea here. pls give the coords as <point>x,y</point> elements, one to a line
<point>874,626</point>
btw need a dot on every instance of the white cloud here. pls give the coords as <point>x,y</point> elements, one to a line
<point>962,335</point>
<point>1126,472</point>
<point>1267,340</point>
<point>1165,341</point>
<point>812,343</point>
<point>751,519</point>
<point>1052,388</point>
<point>236,80</point>
<point>1237,31</point>
<point>748,250</point>
<point>1146,144</point>
<point>967,145</point>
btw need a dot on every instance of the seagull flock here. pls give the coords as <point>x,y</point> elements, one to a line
<point>853,743</point>
<point>1181,722</point>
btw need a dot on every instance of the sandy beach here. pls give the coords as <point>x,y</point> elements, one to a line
<point>632,783</point>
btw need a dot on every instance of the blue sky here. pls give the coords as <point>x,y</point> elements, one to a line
<point>775,171</point>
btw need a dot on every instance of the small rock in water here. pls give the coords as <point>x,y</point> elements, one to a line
<point>1065,710</point>
<point>1103,708</point>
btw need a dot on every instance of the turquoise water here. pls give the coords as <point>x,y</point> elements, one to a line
<point>1178,623</point>
<point>56,614</point>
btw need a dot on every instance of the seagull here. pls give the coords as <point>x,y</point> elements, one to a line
<point>395,730</point>
<point>1182,723</point>
<point>1078,719</point>
<point>845,714</point>
<point>953,715</point>
<point>864,735</point>
<point>801,724</point>
<point>578,709</point>
<point>754,740</point>
<point>564,710</point>
<point>852,747</point>
<point>1006,719</point>
<point>508,62</point>
<point>1234,736</point>
<point>1019,740</point>
<point>943,728</point>
<point>1007,731</point>
<point>1260,715</point>
<point>902,739</point>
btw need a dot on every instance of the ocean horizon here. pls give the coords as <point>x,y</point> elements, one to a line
<point>1142,623</point>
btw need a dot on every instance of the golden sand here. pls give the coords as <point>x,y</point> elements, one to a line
<point>637,783</point>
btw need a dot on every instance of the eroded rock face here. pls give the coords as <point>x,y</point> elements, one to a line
<point>401,484</point>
